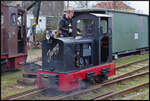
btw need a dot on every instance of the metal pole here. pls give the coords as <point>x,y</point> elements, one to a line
<point>67,4</point>
<point>86,4</point>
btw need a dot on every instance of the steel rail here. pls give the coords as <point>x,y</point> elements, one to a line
<point>131,63</point>
<point>102,95</point>
<point>98,86</point>
<point>122,91</point>
<point>128,73</point>
<point>135,96</point>
<point>23,94</point>
<point>111,81</point>
<point>125,78</point>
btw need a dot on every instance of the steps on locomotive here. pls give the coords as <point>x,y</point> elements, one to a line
<point>27,81</point>
<point>29,76</point>
<point>32,67</point>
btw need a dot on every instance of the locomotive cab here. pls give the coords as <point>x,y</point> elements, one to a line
<point>84,56</point>
<point>101,34</point>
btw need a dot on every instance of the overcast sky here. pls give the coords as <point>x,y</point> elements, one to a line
<point>140,6</point>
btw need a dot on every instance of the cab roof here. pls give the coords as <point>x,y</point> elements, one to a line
<point>101,15</point>
<point>96,10</point>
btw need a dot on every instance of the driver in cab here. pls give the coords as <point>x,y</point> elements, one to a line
<point>65,24</point>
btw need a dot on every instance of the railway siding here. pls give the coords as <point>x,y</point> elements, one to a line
<point>134,66</point>
<point>99,90</point>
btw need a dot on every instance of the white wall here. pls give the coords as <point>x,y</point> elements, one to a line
<point>41,24</point>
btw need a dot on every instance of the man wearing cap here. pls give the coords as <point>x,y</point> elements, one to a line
<point>65,24</point>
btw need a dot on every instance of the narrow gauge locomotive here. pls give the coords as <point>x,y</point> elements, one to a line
<point>86,57</point>
<point>13,37</point>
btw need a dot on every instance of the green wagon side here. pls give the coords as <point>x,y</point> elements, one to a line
<point>129,33</point>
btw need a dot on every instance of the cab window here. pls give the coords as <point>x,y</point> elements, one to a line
<point>2,18</point>
<point>19,20</point>
<point>104,26</point>
<point>85,26</point>
<point>13,19</point>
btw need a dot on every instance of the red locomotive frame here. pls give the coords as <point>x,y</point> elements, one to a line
<point>69,81</point>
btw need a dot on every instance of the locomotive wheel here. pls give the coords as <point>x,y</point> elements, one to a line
<point>84,84</point>
<point>101,78</point>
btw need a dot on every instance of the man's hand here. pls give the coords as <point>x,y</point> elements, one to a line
<point>70,25</point>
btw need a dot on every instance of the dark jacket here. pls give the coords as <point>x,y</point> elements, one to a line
<point>64,26</point>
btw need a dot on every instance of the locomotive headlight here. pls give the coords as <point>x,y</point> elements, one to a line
<point>47,35</point>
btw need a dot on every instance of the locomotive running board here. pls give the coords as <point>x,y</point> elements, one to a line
<point>29,76</point>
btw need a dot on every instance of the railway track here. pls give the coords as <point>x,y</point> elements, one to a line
<point>112,94</point>
<point>99,86</point>
<point>108,82</point>
<point>131,63</point>
<point>119,78</point>
<point>23,94</point>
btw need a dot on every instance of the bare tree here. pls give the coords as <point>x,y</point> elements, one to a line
<point>5,2</point>
<point>81,4</point>
<point>56,13</point>
<point>67,4</point>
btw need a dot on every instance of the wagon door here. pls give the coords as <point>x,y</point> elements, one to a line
<point>12,31</point>
<point>21,24</point>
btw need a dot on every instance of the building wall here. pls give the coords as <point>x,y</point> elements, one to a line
<point>48,8</point>
<point>41,22</point>
<point>13,3</point>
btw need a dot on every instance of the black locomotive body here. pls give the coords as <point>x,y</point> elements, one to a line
<point>67,54</point>
<point>86,56</point>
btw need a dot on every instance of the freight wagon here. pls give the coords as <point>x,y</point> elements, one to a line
<point>129,30</point>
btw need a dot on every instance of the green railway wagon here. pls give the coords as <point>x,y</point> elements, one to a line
<point>130,31</point>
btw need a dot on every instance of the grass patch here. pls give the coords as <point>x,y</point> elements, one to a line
<point>34,54</point>
<point>119,86</point>
<point>130,68</point>
<point>9,84</point>
<point>122,61</point>
<point>124,84</point>
<point>15,90</point>
<point>143,97</point>
<point>9,79</point>
<point>139,94</point>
